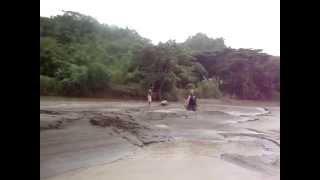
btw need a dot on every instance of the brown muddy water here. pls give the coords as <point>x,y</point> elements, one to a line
<point>112,139</point>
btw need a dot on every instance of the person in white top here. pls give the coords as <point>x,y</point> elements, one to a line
<point>149,96</point>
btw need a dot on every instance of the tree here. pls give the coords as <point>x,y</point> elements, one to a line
<point>84,58</point>
<point>246,73</point>
<point>52,56</point>
<point>202,43</point>
<point>168,66</point>
<point>75,46</point>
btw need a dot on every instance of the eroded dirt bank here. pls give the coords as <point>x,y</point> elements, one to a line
<point>90,139</point>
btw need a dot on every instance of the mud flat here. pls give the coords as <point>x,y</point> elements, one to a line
<point>105,139</point>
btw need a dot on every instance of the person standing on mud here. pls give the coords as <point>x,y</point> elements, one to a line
<point>191,102</point>
<point>149,96</point>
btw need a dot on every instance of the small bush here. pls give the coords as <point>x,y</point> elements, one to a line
<point>76,83</point>
<point>190,86</point>
<point>129,90</point>
<point>98,77</point>
<point>173,95</point>
<point>208,89</point>
<point>49,86</point>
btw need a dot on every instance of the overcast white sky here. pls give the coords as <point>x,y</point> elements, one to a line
<point>242,23</point>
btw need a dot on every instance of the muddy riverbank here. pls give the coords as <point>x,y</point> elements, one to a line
<point>107,139</point>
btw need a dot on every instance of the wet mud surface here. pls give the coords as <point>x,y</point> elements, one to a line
<point>89,139</point>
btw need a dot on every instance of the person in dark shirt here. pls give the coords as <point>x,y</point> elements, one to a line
<point>191,102</point>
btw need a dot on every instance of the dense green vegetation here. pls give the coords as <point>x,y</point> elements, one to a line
<point>81,57</point>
